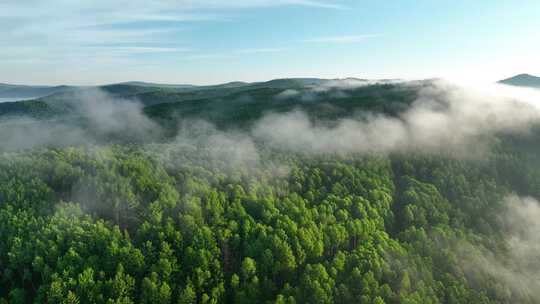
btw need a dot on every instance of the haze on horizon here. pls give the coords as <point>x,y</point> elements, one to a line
<point>216,41</point>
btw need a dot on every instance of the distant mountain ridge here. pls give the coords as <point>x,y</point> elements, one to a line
<point>37,91</point>
<point>242,101</point>
<point>131,88</point>
<point>522,80</point>
<point>29,92</point>
<point>157,85</point>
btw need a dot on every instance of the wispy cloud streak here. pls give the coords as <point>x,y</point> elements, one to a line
<point>260,50</point>
<point>60,25</point>
<point>342,39</point>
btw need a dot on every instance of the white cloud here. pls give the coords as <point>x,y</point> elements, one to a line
<point>174,17</point>
<point>250,51</point>
<point>342,39</point>
<point>318,4</point>
<point>445,119</point>
<point>220,4</point>
<point>260,50</point>
<point>59,28</point>
<point>206,56</point>
<point>287,94</point>
<point>137,49</point>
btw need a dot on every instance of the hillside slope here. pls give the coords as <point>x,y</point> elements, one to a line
<point>30,92</point>
<point>522,80</point>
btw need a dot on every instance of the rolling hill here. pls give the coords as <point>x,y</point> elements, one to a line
<point>522,80</point>
<point>30,92</point>
<point>236,104</point>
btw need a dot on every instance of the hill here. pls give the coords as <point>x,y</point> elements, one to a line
<point>522,80</point>
<point>240,108</point>
<point>158,85</point>
<point>241,97</point>
<point>30,92</point>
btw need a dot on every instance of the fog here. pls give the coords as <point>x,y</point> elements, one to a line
<point>336,88</point>
<point>519,268</point>
<point>455,120</point>
<point>444,119</point>
<point>8,99</point>
<point>95,117</point>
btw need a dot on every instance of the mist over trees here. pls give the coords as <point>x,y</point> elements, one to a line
<point>334,192</point>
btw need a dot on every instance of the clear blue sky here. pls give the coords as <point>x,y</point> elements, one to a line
<point>213,41</point>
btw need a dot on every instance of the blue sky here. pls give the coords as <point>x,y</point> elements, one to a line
<point>214,41</point>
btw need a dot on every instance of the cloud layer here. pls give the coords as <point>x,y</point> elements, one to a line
<point>95,117</point>
<point>444,119</point>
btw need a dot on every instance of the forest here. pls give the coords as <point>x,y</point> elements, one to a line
<point>288,195</point>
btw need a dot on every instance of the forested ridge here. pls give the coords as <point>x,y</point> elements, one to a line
<point>207,216</point>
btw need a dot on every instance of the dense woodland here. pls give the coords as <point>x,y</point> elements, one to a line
<point>172,223</point>
<point>125,224</point>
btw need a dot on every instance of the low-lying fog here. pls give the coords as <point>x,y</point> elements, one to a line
<point>6,99</point>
